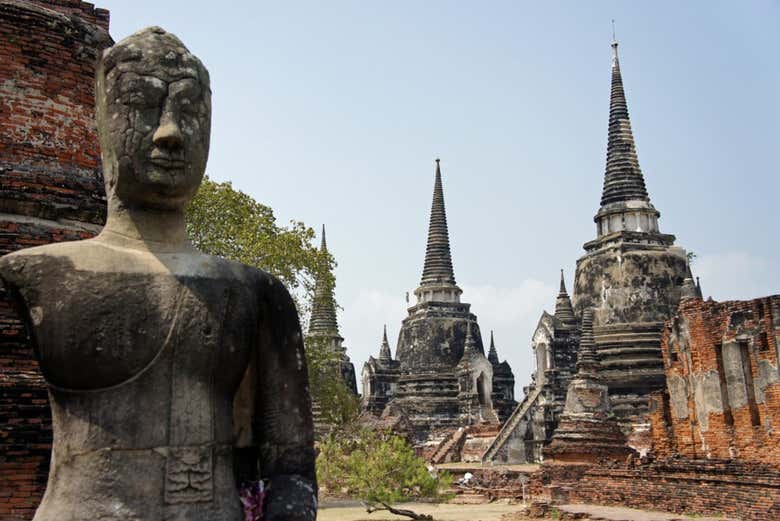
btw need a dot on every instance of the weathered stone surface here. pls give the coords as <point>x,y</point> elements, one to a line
<point>145,341</point>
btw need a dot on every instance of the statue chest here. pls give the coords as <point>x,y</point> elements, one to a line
<point>97,331</point>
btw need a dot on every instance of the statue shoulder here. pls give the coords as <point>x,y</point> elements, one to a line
<point>30,264</point>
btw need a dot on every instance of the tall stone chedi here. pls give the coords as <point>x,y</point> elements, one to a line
<point>323,325</point>
<point>631,274</point>
<point>445,379</point>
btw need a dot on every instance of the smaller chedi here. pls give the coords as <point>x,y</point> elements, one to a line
<point>323,323</point>
<point>379,378</point>
<point>531,425</point>
<point>503,383</point>
<point>441,378</point>
<point>587,431</point>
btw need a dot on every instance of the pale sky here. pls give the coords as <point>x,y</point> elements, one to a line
<point>333,112</point>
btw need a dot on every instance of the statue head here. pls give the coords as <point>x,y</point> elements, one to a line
<point>154,120</point>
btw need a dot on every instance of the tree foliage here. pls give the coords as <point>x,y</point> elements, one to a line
<point>380,469</point>
<point>338,406</point>
<point>228,223</point>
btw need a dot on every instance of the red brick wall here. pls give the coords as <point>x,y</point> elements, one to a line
<point>50,190</point>
<point>746,491</point>
<point>692,346</point>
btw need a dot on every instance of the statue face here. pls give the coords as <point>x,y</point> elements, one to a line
<point>154,120</point>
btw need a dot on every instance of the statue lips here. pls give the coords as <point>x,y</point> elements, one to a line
<point>167,162</point>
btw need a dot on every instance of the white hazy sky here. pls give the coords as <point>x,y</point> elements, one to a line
<point>333,112</point>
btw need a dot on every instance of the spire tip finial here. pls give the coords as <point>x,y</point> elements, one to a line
<point>563,284</point>
<point>614,38</point>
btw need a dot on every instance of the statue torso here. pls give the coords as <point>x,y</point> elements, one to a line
<point>143,353</point>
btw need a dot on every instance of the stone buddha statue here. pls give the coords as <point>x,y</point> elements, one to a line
<point>161,361</point>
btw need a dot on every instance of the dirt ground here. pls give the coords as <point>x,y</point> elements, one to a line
<point>445,512</point>
<point>349,511</point>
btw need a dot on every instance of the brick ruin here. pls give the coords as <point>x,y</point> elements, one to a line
<point>441,378</point>
<point>51,190</point>
<point>715,448</point>
<point>723,385</point>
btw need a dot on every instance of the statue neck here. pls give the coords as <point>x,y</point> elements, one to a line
<point>146,229</point>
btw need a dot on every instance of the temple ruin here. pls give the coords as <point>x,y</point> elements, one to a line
<point>632,276</point>
<point>444,380</point>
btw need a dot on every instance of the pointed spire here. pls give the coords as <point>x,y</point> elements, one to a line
<point>470,347</point>
<point>438,260</point>
<point>562,290</point>
<point>563,308</point>
<point>587,360</point>
<point>323,309</point>
<point>623,180</point>
<point>689,286</point>
<point>384,350</point>
<point>493,354</point>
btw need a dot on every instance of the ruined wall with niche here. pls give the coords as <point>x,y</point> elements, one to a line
<point>51,190</point>
<point>723,385</point>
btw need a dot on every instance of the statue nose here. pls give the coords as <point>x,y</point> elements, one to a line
<point>168,134</point>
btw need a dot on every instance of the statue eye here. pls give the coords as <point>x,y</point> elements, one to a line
<point>138,100</point>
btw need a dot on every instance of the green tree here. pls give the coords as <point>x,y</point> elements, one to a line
<point>228,223</point>
<point>380,469</point>
<point>338,406</point>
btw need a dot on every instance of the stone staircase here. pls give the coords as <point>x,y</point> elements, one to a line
<point>447,444</point>
<point>511,424</point>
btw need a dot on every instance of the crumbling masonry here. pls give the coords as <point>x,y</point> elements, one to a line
<point>51,190</point>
